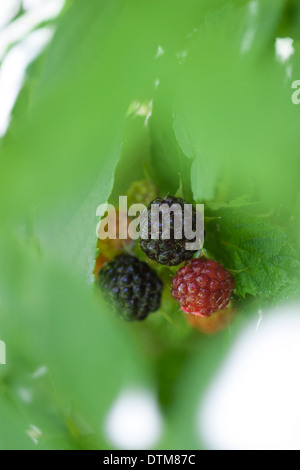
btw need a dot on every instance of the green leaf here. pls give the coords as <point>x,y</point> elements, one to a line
<point>203,179</point>
<point>13,429</point>
<point>259,253</point>
<point>232,111</point>
<point>169,165</point>
<point>208,355</point>
<point>49,318</point>
<point>198,370</point>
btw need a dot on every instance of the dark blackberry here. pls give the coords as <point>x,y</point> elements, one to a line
<point>171,251</point>
<point>131,286</point>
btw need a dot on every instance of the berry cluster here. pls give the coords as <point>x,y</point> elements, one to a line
<point>201,286</point>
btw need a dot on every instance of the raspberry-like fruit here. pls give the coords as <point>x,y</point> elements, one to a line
<point>168,248</point>
<point>131,286</point>
<point>202,287</point>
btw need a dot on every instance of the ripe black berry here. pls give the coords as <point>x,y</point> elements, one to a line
<point>171,251</point>
<point>131,286</point>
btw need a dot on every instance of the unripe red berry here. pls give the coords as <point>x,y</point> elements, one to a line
<point>202,287</point>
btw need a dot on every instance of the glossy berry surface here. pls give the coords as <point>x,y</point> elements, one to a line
<point>172,250</point>
<point>202,287</point>
<point>131,286</point>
